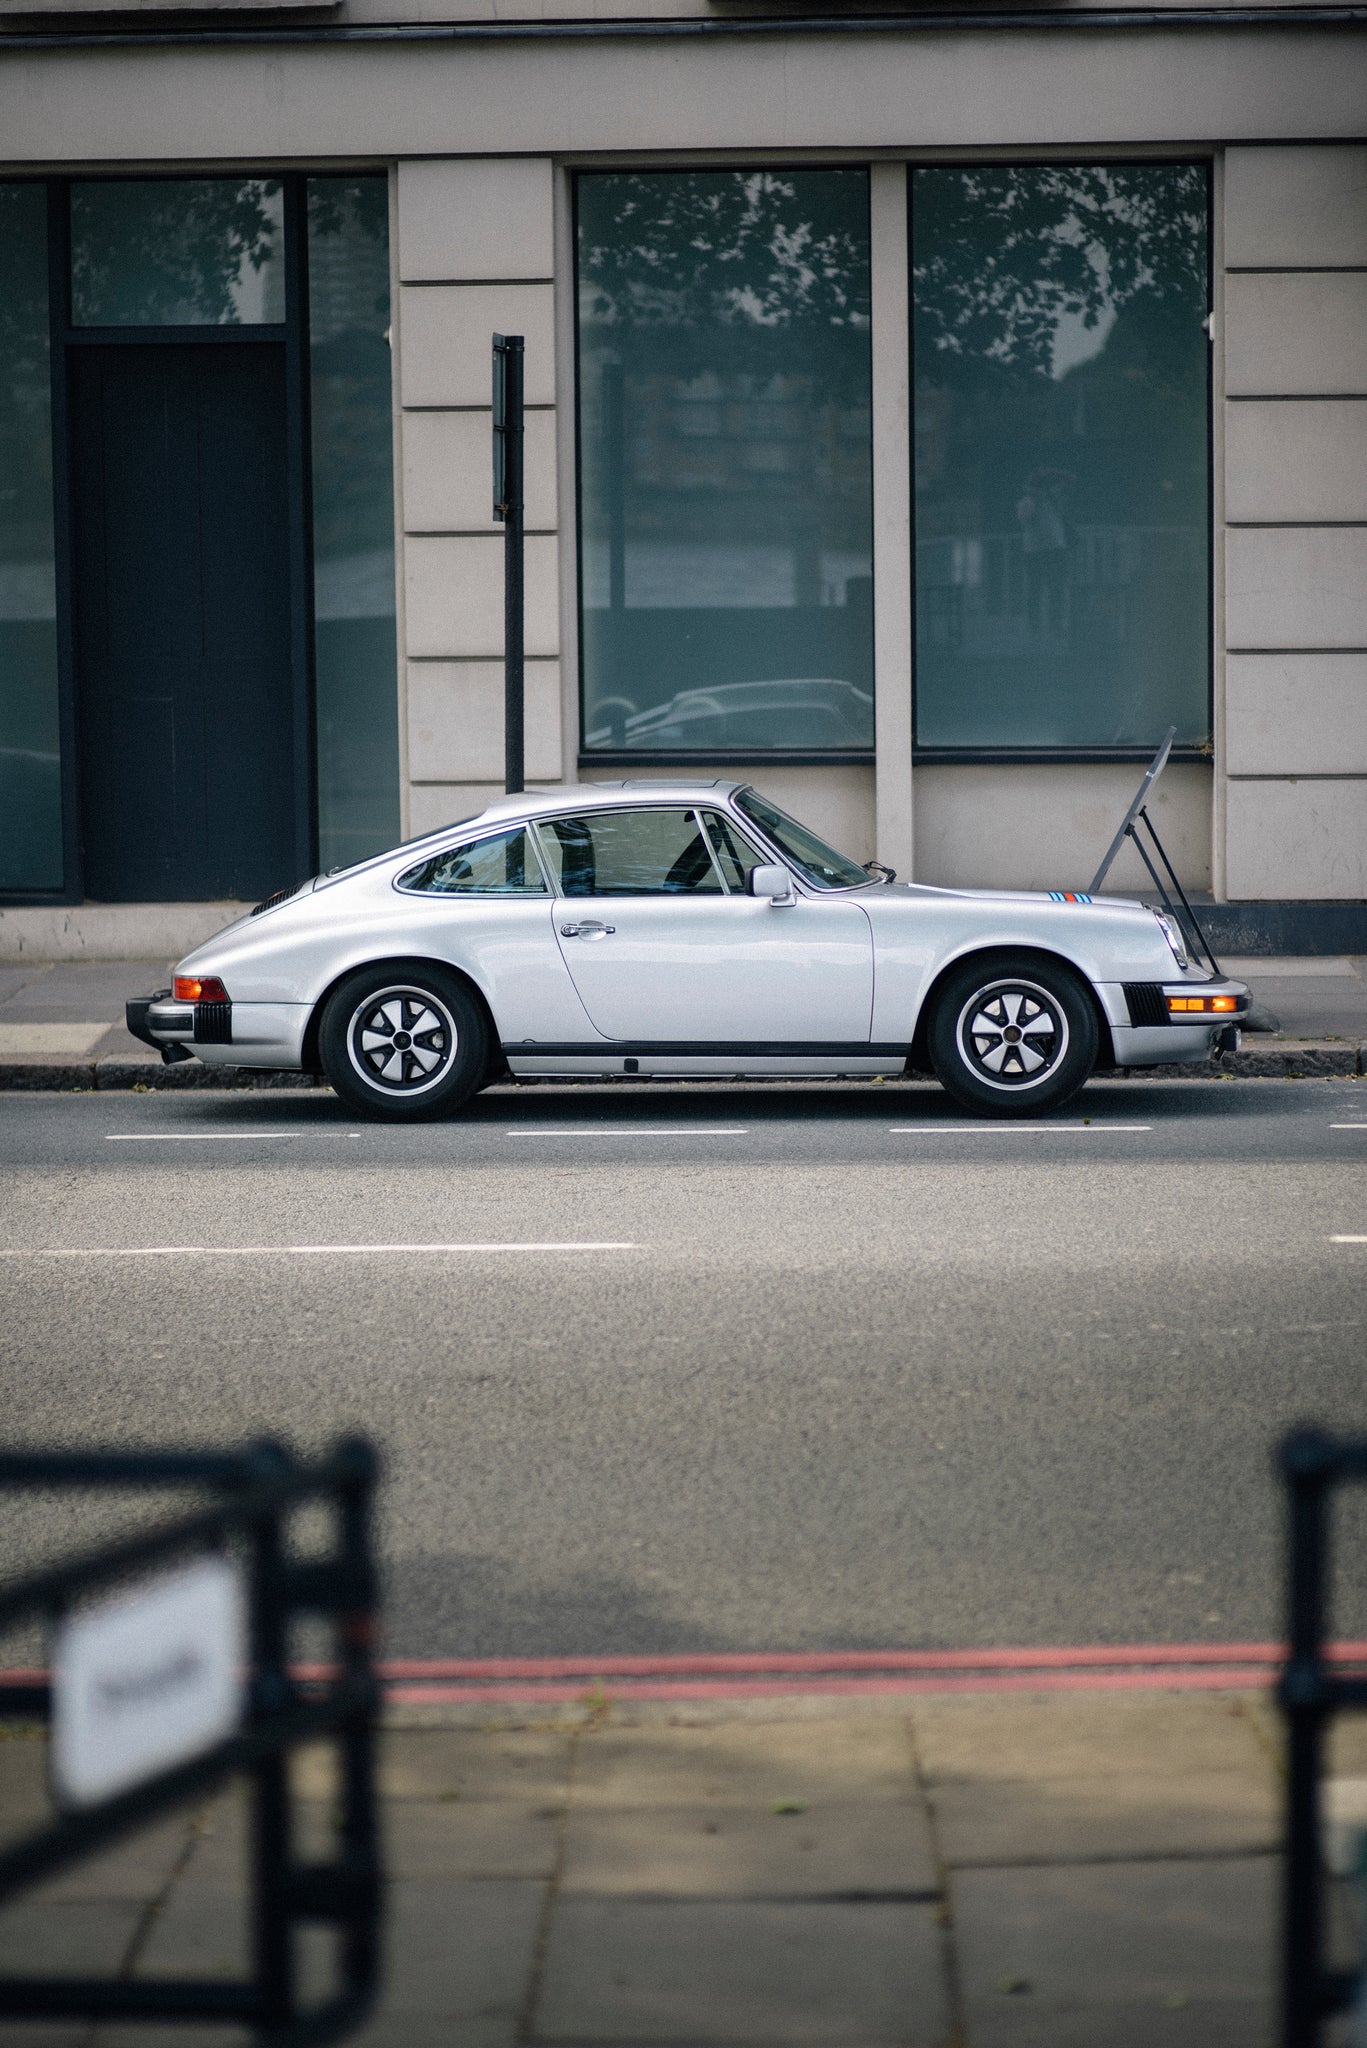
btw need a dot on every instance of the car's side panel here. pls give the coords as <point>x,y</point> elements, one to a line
<point>506,945</point>
<point>724,968</point>
<point>917,935</point>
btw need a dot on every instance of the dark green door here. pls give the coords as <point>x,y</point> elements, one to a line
<point>182,620</point>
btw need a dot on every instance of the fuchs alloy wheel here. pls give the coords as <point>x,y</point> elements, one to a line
<point>404,1043</point>
<point>1013,1036</point>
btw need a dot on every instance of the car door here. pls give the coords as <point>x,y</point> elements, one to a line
<point>667,951</point>
<point>486,906</point>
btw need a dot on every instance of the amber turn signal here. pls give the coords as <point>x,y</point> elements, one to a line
<point>1202,1004</point>
<point>189,988</point>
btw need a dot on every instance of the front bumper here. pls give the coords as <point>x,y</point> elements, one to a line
<point>1156,1035</point>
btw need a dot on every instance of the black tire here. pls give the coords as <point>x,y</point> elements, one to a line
<point>405,1042</point>
<point>1013,1035</point>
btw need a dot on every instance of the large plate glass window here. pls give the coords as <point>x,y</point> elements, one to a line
<point>352,435</point>
<point>30,743</point>
<point>1061,456</point>
<point>726,569</point>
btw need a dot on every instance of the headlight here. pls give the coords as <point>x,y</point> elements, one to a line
<point>1174,939</point>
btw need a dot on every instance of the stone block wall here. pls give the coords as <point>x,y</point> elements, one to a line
<point>1295,420</point>
<point>474,253</point>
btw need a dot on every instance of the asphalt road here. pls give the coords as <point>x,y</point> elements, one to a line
<point>830,1367</point>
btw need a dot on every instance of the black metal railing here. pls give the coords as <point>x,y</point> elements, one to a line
<point>1311,1691</point>
<point>255,1492</point>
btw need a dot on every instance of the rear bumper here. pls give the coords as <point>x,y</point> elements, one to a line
<point>220,1034</point>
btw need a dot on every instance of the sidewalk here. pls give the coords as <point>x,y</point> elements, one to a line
<point>1081,1870</point>
<point>61,1026</point>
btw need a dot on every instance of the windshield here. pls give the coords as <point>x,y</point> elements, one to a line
<point>819,863</point>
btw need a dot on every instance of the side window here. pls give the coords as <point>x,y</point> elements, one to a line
<point>631,853</point>
<point>735,855</point>
<point>505,865</point>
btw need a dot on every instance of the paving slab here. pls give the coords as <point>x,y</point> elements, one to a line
<point>1003,1820</point>
<point>828,1849</point>
<point>1163,1954</point>
<point>1079,1735</point>
<point>633,1970</point>
<point>461,1954</point>
<point>41,1936</point>
<point>746,1763</point>
<point>492,1838</point>
<point>526,1764</point>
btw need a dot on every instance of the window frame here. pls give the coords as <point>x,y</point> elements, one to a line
<point>697,811</point>
<point>684,758</point>
<point>293,334</point>
<point>1081,756</point>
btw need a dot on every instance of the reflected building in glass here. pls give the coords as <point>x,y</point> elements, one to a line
<point>1062,472</point>
<point>726,549</point>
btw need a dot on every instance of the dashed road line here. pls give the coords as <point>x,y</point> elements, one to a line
<point>1005,1130</point>
<point>266,1251</point>
<point>670,1131</point>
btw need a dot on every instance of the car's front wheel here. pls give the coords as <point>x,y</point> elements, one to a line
<point>404,1043</point>
<point>1012,1035</point>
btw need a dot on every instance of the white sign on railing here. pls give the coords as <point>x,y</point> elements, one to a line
<point>147,1680</point>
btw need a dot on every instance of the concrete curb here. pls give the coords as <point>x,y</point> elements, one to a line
<point>118,1071</point>
<point>1287,1060</point>
<point>1292,1060</point>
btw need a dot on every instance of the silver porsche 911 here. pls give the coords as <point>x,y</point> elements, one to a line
<point>679,928</point>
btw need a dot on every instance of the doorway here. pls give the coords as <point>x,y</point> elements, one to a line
<point>182,619</point>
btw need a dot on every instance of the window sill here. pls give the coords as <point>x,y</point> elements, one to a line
<point>1038,757</point>
<point>738,757</point>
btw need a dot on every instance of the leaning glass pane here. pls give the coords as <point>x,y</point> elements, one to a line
<point>355,637</point>
<point>177,252</point>
<point>30,747</point>
<point>726,576</point>
<point>1061,450</point>
<point>505,865</point>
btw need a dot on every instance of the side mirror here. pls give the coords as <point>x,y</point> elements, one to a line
<point>775,884</point>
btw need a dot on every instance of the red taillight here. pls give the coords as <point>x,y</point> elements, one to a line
<point>192,988</point>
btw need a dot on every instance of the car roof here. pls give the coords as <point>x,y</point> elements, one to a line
<point>598,796</point>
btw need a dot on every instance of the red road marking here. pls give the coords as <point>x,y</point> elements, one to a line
<point>1090,1667</point>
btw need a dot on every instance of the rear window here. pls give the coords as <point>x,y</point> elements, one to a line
<point>504,865</point>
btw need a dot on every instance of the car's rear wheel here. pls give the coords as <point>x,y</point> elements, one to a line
<point>404,1043</point>
<point>1012,1035</point>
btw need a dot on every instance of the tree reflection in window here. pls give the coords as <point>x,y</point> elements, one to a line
<point>1061,454</point>
<point>726,568</point>
<point>177,252</point>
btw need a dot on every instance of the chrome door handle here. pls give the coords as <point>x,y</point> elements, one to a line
<point>586,931</point>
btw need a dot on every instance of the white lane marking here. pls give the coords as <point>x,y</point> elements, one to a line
<point>170,1137</point>
<point>1003,1129</point>
<point>261,1251</point>
<point>1348,1240</point>
<point>639,1131</point>
<point>1348,1127</point>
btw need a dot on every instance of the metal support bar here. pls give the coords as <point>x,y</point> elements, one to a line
<point>1138,815</point>
<point>509,507</point>
<point>1310,1692</point>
